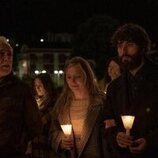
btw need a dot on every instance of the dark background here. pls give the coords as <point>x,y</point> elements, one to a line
<point>20,19</point>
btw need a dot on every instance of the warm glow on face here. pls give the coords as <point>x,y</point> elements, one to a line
<point>38,85</point>
<point>113,70</point>
<point>6,60</point>
<point>67,129</point>
<point>127,121</point>
<point>75,77</point>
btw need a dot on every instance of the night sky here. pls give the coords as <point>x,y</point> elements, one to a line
<point>20,19</point>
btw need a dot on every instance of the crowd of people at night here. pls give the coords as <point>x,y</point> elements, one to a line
<point>84,120</point>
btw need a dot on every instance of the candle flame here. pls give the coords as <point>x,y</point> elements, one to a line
<point>128,121</point>
<point>67,129</point>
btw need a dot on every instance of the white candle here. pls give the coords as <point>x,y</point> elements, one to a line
<point>127,122</point>
<point>67,129</point>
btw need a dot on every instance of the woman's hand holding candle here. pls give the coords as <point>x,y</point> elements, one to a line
<point>67,141</point>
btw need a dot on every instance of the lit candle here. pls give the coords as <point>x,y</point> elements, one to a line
<point>127,122</point>
<point>67,129</point>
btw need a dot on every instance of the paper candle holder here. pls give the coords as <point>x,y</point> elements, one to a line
<point>128,121</point>
<point>67,129</point>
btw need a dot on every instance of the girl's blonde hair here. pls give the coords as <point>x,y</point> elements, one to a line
<point>91,83</point>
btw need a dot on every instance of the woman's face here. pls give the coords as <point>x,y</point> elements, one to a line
<point>113,70</point>
<point>40,90</point>
<point>75,78</point>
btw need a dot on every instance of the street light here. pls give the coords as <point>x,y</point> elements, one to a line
<point>36,72</point>
<point>44,71</point>
<point>58,73</point>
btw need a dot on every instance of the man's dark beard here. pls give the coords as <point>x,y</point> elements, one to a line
<point>133,63</point>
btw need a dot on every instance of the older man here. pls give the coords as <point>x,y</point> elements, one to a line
<point>19,117</point>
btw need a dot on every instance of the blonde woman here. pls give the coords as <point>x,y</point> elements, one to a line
<point>80,104</point>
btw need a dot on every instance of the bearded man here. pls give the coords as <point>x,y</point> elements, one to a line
<point>135,93</point>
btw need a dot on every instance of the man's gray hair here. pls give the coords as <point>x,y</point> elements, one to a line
<point>3,41</point>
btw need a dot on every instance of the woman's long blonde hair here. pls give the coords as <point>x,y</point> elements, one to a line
<point>91,84</point>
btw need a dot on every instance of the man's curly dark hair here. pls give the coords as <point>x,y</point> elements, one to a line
<point>132,33</point>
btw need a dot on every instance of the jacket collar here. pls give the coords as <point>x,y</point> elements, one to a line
<point>6,80</point>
